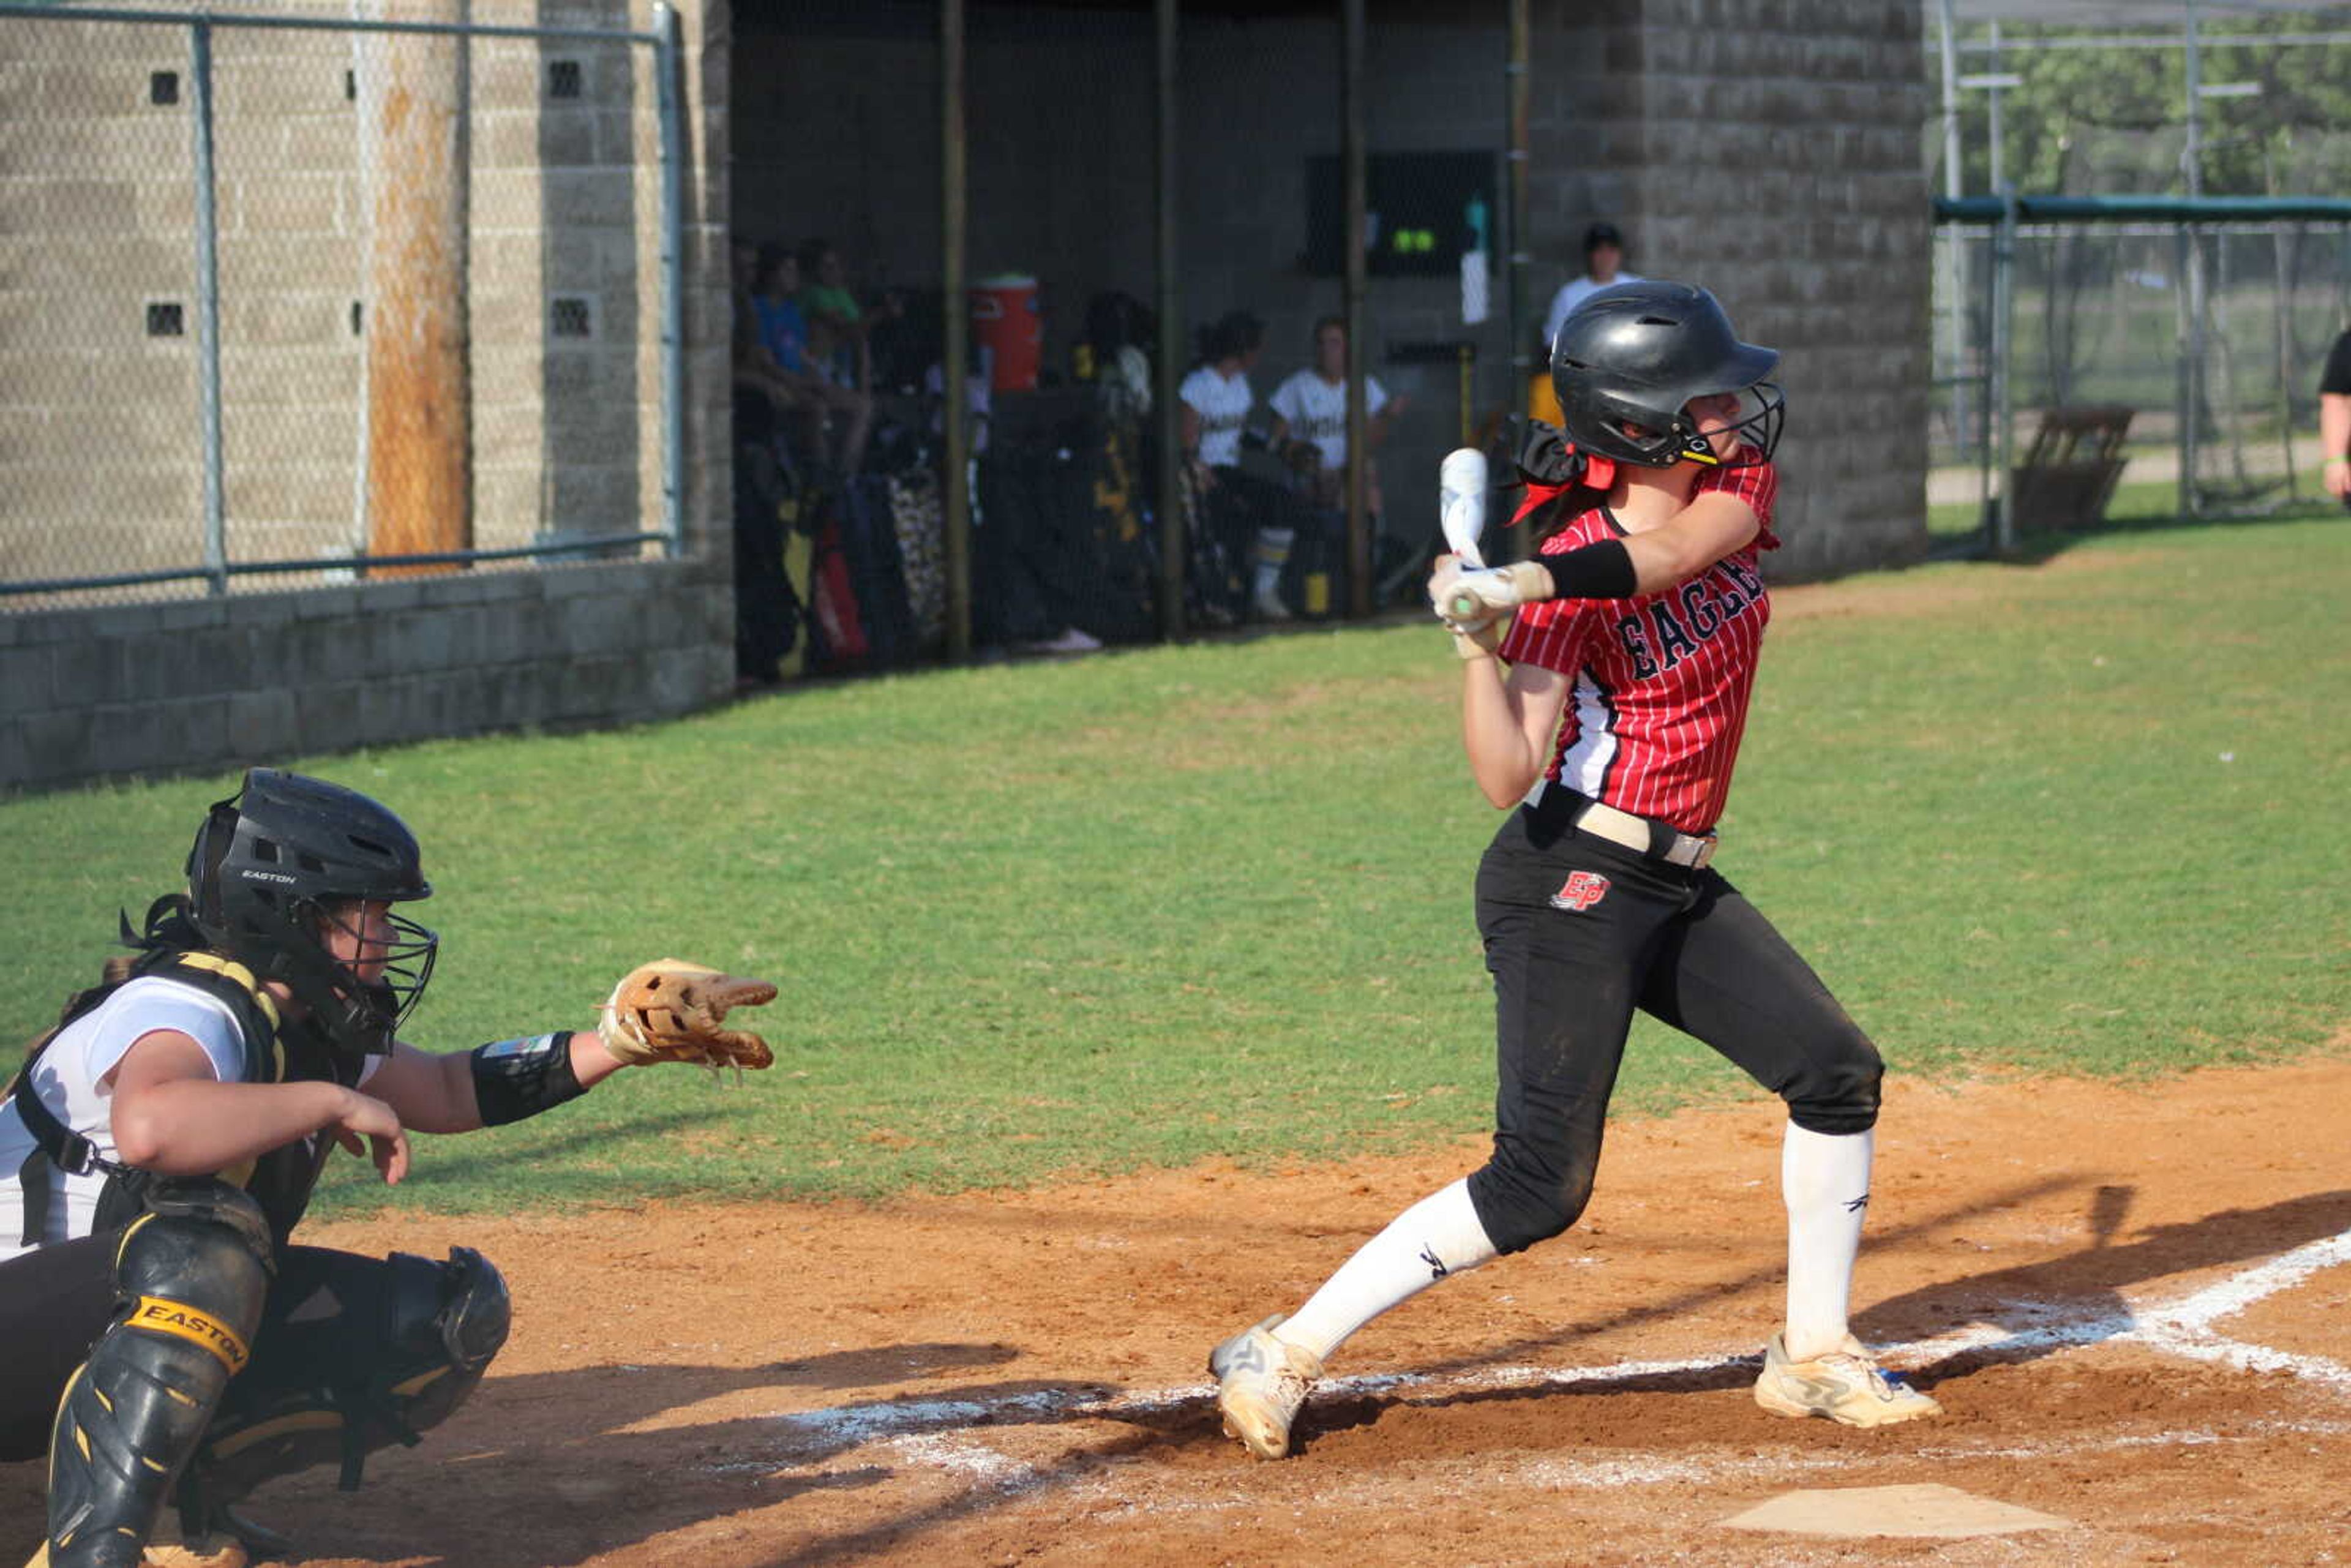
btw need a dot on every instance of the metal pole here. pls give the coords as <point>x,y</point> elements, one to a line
<point>1998,167</point>
<point>1350,157</point>
<point>1171,338</point>
<point>208,373</point>
<point>2183,378</point>
<point>2192,244</point>
<point>2281,323</point>
<point>668,59</point>
<point>2004,325</point>
<point>1995,169</point>
<point>955,358</point>
<point>1955,285</point>
<point>1517,73</point>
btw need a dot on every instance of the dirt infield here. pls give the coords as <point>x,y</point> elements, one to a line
<point>2131,1301</point>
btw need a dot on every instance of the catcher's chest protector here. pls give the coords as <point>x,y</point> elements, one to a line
<point>279,1181</point>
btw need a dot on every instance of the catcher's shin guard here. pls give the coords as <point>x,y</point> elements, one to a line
<point>192,1273</point>
<point>382,1351</point>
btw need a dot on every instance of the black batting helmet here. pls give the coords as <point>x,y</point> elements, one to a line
<point>1637,353</point>
<point>269,866</point>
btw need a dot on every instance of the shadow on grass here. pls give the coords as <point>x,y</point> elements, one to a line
<point>471,1173</point>
<point>2042,546</point>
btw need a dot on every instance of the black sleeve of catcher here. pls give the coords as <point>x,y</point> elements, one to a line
<point>2338,375</point>
<point>518,1078</point>
<point>1603,570</point>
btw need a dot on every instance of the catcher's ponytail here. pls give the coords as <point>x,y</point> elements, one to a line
<point>166,929</point>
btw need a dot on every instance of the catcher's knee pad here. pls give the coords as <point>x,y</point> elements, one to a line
<point>403,1344</point>
<point>191,1275</point>
<point>1523,1198</point>
<point>1837,1093</point>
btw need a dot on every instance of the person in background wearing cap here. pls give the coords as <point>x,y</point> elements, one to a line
<point>1603,259</point>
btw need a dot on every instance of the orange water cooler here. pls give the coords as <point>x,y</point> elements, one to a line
<point>1004,320</point>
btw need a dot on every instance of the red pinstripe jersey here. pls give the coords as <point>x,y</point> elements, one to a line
<point>1658,684</point>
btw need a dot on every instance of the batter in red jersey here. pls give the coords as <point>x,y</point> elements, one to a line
<point>1605,690</point>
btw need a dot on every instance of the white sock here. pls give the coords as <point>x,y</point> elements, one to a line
<point>1825,1181</point>
<point>1435,1237</point>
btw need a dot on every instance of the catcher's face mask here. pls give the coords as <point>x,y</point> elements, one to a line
<point>386,958</point>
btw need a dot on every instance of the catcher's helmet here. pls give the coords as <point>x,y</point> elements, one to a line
<point>1636,353</point>
<point>268,864</point>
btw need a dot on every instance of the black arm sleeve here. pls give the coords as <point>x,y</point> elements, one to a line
<point>518,1078</point>
<point>2337,376</point>
<point>1603,570</point>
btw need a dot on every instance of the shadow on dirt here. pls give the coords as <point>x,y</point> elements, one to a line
<point>611,1457</point>
<point>625,1474</point>
<point>2078,1299</point>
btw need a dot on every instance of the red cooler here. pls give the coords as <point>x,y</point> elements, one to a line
<point>1003,319</point>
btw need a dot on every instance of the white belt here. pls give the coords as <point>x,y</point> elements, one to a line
<point>1654,838</point>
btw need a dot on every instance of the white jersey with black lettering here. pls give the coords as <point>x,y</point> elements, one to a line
<point>1223,403</point>
<point>1316,410</point>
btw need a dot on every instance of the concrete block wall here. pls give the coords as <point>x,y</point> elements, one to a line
<point>1769,151</point>
<point>253,679</point>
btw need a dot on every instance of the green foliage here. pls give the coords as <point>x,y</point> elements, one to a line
<point>2114,120</point>
<point>1215,901</point>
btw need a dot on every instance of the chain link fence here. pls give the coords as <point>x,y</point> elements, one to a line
<point>2211,337</point>
<point>2208,337</point>
<point>289,298</point>
<point>1077,332</point>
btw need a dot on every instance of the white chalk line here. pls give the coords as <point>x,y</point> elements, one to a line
<point>939,1433</point>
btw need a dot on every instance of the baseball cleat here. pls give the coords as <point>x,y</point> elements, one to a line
<point>1845,1386</point>
<point>1260,1383</point>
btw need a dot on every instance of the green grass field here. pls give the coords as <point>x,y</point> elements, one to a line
<point>1059,920</point>
<point>2139,505</point>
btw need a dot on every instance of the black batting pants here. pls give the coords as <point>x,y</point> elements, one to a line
<point>1684,947</point>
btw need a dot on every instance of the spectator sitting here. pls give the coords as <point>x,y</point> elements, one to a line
<point>1114,353</point>
<point>784,334</point>
<point>1241,515</point>
<point>840,330</point>
<point>1309,423</point>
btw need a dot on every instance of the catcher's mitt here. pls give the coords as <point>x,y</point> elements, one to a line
<point>671,1010</point>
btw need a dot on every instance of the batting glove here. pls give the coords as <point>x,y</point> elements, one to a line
<point>1493,590</point>
<point>1477,634</point>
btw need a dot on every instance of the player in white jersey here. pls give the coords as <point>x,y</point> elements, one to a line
<point>1244,526</point>
<point>1309,423</point>
<point>1610,738</point>
<point>166,1341</point>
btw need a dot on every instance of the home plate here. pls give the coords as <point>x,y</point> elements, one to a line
<point>1891,1510</point>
